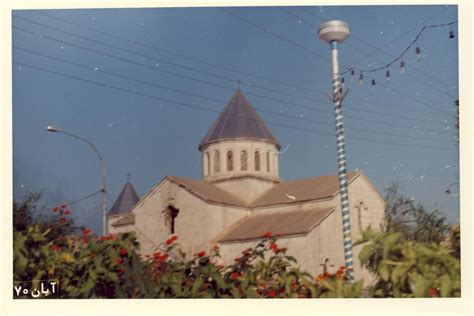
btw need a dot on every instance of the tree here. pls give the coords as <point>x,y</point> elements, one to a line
<point>414,221</point>
<point>23,211</point>
<point>26,213</point>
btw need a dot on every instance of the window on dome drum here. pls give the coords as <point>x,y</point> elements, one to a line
<point>207,164</point>
<point>171,214</point>
<point>217,161</point>
<point>243,160</point>
<point>268,161</point>
<point>230,161</point>
<point>257,161</point>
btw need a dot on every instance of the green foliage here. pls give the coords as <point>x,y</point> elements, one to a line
<point>454,241</point>
<point>110,267</point>
<point>406,268</point>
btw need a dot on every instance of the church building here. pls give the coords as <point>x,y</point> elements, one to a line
<point>241,196</point>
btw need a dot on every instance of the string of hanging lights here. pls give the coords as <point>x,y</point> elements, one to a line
<point>402,68</point>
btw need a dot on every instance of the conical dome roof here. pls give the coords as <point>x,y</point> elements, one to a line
<point>125,201</point>
<point>239,120</point>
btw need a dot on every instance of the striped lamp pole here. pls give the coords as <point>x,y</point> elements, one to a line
<point>333,33</point>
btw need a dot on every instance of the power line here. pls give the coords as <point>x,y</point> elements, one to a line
<point>287,12</point>
<point>190,68</point>
<point>88,67</point>
<point>405,50</point>
<point>187,105</point>
<point>274,34</point>
<point>370,54</point>
<point>211,83</point>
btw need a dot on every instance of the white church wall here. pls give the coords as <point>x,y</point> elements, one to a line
<point>297,246</point>
<point>268,167</point>
<point>196,225</point>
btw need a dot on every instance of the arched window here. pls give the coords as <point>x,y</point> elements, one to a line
<point>268,161</point>
<point>207,164</point>
<point>257,160</point>
<point>170,218</point>
<point>217,161</point>
<point>230,161</point>
<point>243,160</point>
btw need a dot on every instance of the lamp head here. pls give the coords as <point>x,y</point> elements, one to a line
<point>51,128</point>
<point>334,31</point>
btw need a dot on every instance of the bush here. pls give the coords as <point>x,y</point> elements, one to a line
<point>110,267</point>
<point>409,269</point>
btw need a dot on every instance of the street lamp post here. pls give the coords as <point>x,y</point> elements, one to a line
<point>51,128</point>
<point>333,33</point>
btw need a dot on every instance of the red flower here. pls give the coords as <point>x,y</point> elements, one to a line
<point>234,276</point>
<point>118,261</point>
<point>54,209</point>
<point>103,238</point>
<point>433,292</point>
<point>123,251</point>
<point>163,257</point>
<point>237,259</point>
<point>111,236</point>
<point>122,270</point>
<point>169,241</point>
<point>85,239</point>
<point>55,247</point>
<point>274,247</point>
<point>174,237</point>
<point>201,253</point>
<point>86,232</point>
<point>271,293</point>
<point>62,220</point>
<point>67,212</point>
<point>156,255</point>
<point>267,234</point>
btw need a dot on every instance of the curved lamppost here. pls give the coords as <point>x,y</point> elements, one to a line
<point>51,128</point>
<point>333,33</point>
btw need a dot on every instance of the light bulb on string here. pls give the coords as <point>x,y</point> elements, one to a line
<point>387,75</point>
<point>402,68</point>
<point>373,82</point>
<point>342,82</point>
<point>418,53</point>
<point>361,78</point>
<point>451,32</point>
<point>352,74</point>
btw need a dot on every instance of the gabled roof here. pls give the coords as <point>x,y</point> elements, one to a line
<point>293,191</point>
<point>238,120</point>
<point>310,189</point>
<point>125,201</point>
<point>128,219</point>
<point>207,191</point>
<point>280,224</point>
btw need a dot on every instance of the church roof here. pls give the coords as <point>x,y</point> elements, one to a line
<point>288,223</point>
<point>125,201</point>
<point>316,188</point>
<point>128,219</point>
<point>207,191</point>
<point>238,120</point>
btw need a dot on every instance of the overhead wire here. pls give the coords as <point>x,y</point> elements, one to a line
<point>220,101</point>
<point>195,79</point>
<point>187,105</point>
<point>194,69</point>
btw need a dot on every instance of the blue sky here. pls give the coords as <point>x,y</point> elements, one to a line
<point>147,105</point>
